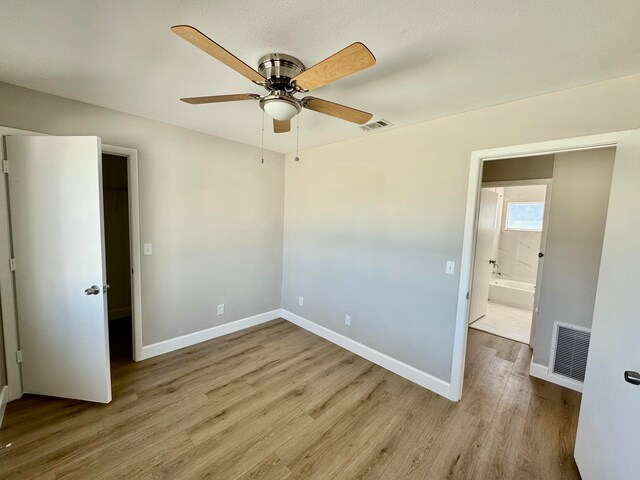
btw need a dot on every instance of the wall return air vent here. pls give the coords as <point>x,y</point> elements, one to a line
<point>376,125</point>
<point>570,348</point>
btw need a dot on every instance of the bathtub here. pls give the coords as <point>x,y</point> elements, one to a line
<point>510,292</point>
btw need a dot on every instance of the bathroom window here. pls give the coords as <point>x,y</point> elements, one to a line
<point>525,216</point>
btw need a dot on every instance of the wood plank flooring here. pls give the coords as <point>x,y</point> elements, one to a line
<point>277,402</point>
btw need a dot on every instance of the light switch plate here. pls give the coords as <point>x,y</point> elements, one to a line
<point>300,300</point>
<point>147,249</point>
<point>347,320</point>
<point>451,267</point>
<point>221,309</point>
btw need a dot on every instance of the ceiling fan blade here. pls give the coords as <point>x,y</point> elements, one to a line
<point>347,61</point>
<point>281,126</point>
<point>204,43</point>
<point>220,98</point>
<point>336,110</point>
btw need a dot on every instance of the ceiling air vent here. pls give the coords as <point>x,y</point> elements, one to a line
<point>376,125</point>
<point>571,346</point>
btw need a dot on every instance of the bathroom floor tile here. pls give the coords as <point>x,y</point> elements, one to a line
<point>506,321</point>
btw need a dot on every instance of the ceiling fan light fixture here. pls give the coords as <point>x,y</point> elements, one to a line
<point>283,76</point>
<point>280,107</point>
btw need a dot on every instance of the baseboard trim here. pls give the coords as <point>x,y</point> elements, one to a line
<point>542,372</point>
<point>189,339</point>
<point>4,398</point>
<point>385,361</point>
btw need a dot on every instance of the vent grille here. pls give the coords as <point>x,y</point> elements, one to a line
<point>375,125</point>
<point>571,349</point>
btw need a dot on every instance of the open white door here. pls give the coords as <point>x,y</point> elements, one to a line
<point>55,190</point>
<point>608,438</point>
<point>543,245</point>
<point>487,218</point>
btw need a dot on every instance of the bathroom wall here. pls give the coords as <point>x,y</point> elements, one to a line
<point>495,251</point>
<point>517,251</point>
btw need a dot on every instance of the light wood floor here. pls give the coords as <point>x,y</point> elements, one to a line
<point>277,402</point>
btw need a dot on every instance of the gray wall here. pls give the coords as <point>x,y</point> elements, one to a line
<point>3,366</point>
<point>211,210</point>
<point>526,168</point>
<point>577,217</point>
<point>370,222</point>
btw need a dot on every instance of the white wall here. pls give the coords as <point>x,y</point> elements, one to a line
<point>211,210</point>
<point>577,218</point>
<point>369,223</point>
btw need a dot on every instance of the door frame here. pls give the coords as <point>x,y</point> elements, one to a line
<point>547,182</point>
<point>134,242</point>
<point>478,157</point>
<point>7,286</point>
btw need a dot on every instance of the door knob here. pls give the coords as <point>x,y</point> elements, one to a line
<point>92,290</point>
<point>632,377</point>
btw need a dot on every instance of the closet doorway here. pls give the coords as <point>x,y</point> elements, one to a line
<point>117,238</point>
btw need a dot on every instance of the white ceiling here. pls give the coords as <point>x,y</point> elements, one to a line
<point>435,57</point>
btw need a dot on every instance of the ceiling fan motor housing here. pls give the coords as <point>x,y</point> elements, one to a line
<point>279,69</point>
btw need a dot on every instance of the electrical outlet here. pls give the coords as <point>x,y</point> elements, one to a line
<point>347,320</point>
<point>221,309</point>
<point>148,249</point>
<point>451,267</point>
<point>300,300</point>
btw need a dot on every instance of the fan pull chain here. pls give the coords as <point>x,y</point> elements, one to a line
<point>297,159</point>
<point>262,146</point>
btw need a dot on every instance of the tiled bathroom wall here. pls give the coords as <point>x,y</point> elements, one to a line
<point>516,252</point>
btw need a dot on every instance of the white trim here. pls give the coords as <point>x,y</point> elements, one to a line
<point>134,246</point>
<point>385,361</point>
<point>542,372</point>
<point>7,286</point>
<point>4,399</point>
<point>473,189</point>
<point>189,339</point>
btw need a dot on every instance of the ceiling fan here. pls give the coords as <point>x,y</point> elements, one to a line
<point>283,76</point>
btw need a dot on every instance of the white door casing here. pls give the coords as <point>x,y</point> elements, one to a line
<point>55,190</point>
<point>487,218</point>
<point>608,437</point>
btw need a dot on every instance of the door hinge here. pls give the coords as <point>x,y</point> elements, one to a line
<point>12,264</point>
<point>19,356</point>
<point>467,295</point>
<point>5,166</point>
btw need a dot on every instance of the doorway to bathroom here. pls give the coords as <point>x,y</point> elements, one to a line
<point>509,254</point>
